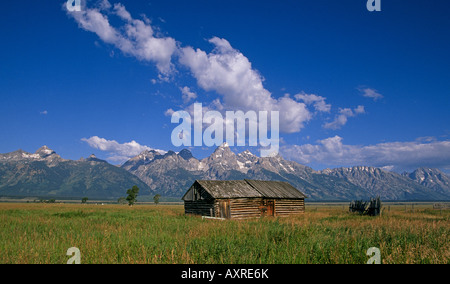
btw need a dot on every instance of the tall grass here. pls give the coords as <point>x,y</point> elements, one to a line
<point>42,233</point>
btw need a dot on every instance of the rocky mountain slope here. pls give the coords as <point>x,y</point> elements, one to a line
<point>388,185</point>
<point>431,178</point>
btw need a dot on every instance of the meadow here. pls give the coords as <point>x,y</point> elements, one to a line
<point>147,234</point>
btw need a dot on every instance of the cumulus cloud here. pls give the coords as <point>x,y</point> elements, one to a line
<point>393,155</point>
<point>224,70</point>
<point>342,118</point>
<point>117,151</point>
<point>135,38</point>
<point>169,112</point>
<point>188,95</point>
<point>370,93</point>
<point>318,101</point>
<point>229,73</point>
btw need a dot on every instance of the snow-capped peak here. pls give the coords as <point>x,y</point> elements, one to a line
<point>45,151</point>
<point>224,145</point>
<point>246,153</point>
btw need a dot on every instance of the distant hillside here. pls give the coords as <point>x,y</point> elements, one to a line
<point>388,185</point>
<point>45,173</point>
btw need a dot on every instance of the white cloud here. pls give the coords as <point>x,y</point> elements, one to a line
<point>393,155</point>
<point>169,112</point>
<point>388,168</point>
<point>359,110</point>
<point>44,112</point>
<point>342,118</point>
<point>224,70</point>
<point>122,12</point>
<point>136,37</point>
<point>117,151</point>
<point>229,73</point>
<point>104,5</point>
<point>318,101</point>
<point>188,95</point>
<point>370,93</point>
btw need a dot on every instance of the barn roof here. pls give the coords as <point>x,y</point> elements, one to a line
<point>229,188</point>
<point>276,189</point>
<point>249,189</point>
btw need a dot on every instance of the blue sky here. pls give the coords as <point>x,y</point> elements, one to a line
<point>363,88</point>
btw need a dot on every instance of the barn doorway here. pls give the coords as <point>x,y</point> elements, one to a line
<point>224,208</point>
<point>267,208</point>
<point>270,208</point>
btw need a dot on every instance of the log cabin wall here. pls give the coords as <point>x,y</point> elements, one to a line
<point>199,202</point>
<point>199,207</point>
<point>289,207</point>
<point>242,208</point>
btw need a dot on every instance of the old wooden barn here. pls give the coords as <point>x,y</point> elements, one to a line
<point>243,199</point>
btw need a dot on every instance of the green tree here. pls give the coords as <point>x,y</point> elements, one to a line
<point>132,195</point>
<point>156,199</point>
<point>84,200</point>
<point>122,200</point>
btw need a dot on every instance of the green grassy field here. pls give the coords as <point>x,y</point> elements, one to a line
<point>42,233</point>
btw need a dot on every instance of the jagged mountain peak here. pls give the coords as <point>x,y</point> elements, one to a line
<point>247,158</point>
<point>146,156</point>
<point>186,154</point>
<point>357,170</point>
<point>223,151</point>
<point>42,154</point>
<point>170,153</point>
<point>428,171</point>
<point>224,145</point>
<point>18,155</point>
<point>44,151</point>
<point>432,178</point>
<point>246,153</point>
<point>389,185</point>
<point>143,158</point>
<point>93,158</point>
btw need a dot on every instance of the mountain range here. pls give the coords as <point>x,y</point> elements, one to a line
<point>45,173</point>
<point>171,174</point>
